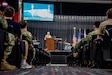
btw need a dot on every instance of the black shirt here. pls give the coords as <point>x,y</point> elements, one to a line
<point>16,27</point>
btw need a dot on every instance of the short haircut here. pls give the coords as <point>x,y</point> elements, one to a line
<point>109,13</point>
<point>97,23</point>
<point>9,11</point>
<point>23,24</point>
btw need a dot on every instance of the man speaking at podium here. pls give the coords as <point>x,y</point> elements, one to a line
<point>47,36</point>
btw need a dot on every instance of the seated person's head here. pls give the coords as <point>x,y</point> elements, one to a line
<point>109,13</point>
<point>96,24</point>
<point>23,24</point>
<point>9,11</point>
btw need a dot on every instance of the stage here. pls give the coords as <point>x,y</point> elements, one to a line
<point>59,57</point>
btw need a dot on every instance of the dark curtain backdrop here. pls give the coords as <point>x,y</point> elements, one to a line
<point>62,27</point>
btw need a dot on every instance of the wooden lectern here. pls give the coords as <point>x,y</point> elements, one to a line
<point>50,44</point>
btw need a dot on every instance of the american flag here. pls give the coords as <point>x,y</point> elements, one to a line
<point>74,37</point>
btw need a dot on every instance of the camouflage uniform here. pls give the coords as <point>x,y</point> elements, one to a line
<point>89,40</point>
<point>11,37</point>
<point>78,46</point>
<point>28,36</point>
<point>104,24</point>
<point>3,22</point>
<point>80,43</point>
<point>95,32</point>
<point>8,45</point>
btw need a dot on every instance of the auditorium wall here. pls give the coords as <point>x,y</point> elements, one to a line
<point>66,16</point>
<point>62,27</point>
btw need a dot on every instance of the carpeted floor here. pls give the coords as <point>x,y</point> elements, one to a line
<point>56,70</point>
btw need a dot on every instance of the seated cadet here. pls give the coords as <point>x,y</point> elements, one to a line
<point>27,38</point>
<point>81,42</point>
<point>77,55</point>
<point>94,32</point>
<point>89,40</point>
<point>107,53</point>
<point>8,45</point>
<point>15,56</point>
<point>108,21</point>
<point>79,50</point>
<point>9,13</point>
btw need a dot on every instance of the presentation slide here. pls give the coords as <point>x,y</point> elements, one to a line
<point>38,11</point>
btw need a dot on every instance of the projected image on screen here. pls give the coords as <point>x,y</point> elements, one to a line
<point>38,11</point>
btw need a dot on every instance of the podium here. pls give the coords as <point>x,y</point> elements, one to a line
<point>50,44</point>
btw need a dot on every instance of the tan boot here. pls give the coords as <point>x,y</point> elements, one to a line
<point>75,54</point>
<point>6,66</point>
<point>32,64</point>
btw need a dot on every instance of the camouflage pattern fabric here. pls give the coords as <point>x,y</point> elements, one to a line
<point>10,44</point>
<point>104,24</point>
<point>95,32</point>
<point>80,43</point>
<point>27,35</point>
<point>3,22</point>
